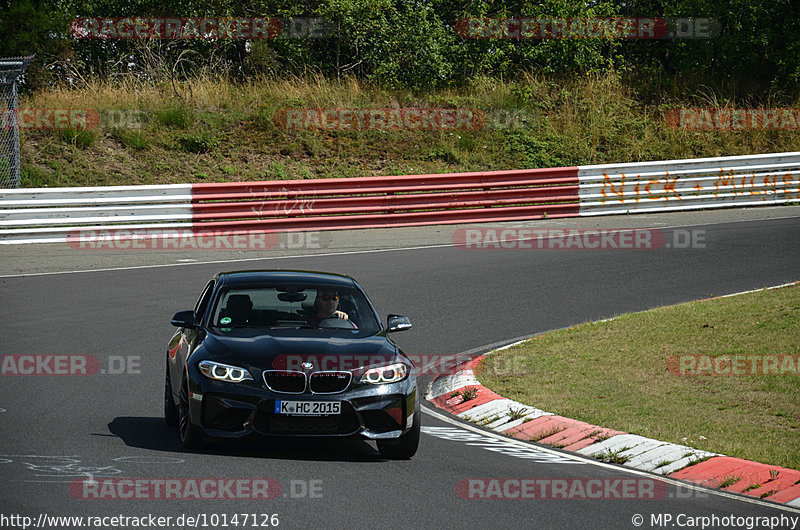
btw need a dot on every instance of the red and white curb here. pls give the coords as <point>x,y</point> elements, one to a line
<point>524,422</point>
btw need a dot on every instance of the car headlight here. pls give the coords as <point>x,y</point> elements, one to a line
<point>391,373</point>
<point>224,372</point>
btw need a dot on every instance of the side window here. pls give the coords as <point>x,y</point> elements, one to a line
<point>202,302</point>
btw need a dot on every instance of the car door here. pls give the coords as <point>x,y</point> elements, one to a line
<point>185,340</point>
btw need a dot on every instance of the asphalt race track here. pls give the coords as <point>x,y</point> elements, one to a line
<point>59,429</point>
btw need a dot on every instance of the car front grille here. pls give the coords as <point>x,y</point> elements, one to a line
<point>294,382</point>
<point>329,382</point>
<point>285,381</point>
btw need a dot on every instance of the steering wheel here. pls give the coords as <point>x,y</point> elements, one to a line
<point>334,322</point>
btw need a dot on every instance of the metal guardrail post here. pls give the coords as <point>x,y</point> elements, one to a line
<point>10,70</point>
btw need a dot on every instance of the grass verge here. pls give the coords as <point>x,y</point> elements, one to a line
<point>615,374</point>
<point>214,130</point>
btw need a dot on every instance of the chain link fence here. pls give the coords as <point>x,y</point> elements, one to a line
<point>10,70</point>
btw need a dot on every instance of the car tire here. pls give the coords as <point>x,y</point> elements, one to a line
<point>191,435</point>
<point>171,415</point>
<point>406,446</point>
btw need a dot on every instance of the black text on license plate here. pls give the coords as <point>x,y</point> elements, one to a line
<point>308,408</point>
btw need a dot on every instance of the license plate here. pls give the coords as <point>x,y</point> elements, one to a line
<point>308,408</point>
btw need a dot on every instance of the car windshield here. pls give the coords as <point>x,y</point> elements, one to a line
<point>295,307</point>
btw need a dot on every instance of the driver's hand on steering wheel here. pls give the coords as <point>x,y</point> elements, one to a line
<point>340,314</point>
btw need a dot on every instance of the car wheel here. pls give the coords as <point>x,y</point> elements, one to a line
<point>191,435</point>
<point>404,447</point>
<point>170,408</point>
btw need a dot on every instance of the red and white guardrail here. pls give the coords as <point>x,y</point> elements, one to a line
<point>55,214</point>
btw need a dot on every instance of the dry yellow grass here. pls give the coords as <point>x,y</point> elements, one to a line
<point>540,122</point>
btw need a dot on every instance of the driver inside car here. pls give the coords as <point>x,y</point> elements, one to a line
<point>326,305</point>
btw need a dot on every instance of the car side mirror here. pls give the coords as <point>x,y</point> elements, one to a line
<point>184,319</point>
<point>397,323</point>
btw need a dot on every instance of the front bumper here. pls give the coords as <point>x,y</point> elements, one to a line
<point>236,410</point>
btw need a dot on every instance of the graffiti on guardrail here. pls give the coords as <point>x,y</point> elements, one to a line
<point>628,188</point>
<point>281,203</point>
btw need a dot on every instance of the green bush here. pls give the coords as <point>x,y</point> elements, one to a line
<point>136,140</point>
<point>180,117</point>
<point>78,137</point>
<point>534,152</point>
<point>198,143</point>
<point>413,44</point>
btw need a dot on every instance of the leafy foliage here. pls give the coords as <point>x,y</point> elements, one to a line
<point>414,43</point>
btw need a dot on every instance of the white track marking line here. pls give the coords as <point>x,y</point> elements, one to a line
<point>345,253</point>
<point>239,260</point>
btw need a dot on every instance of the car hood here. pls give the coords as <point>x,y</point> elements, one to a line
<point>265,352</point>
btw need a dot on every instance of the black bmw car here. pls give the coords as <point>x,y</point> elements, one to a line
<point>290,353</point>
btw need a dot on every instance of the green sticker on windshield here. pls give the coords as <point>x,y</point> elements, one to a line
<point>225,320</point>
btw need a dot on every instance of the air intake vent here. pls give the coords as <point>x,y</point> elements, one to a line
<point>285,381</point>
<point>329,382</point>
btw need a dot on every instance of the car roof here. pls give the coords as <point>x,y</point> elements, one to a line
<point>281,275</point>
